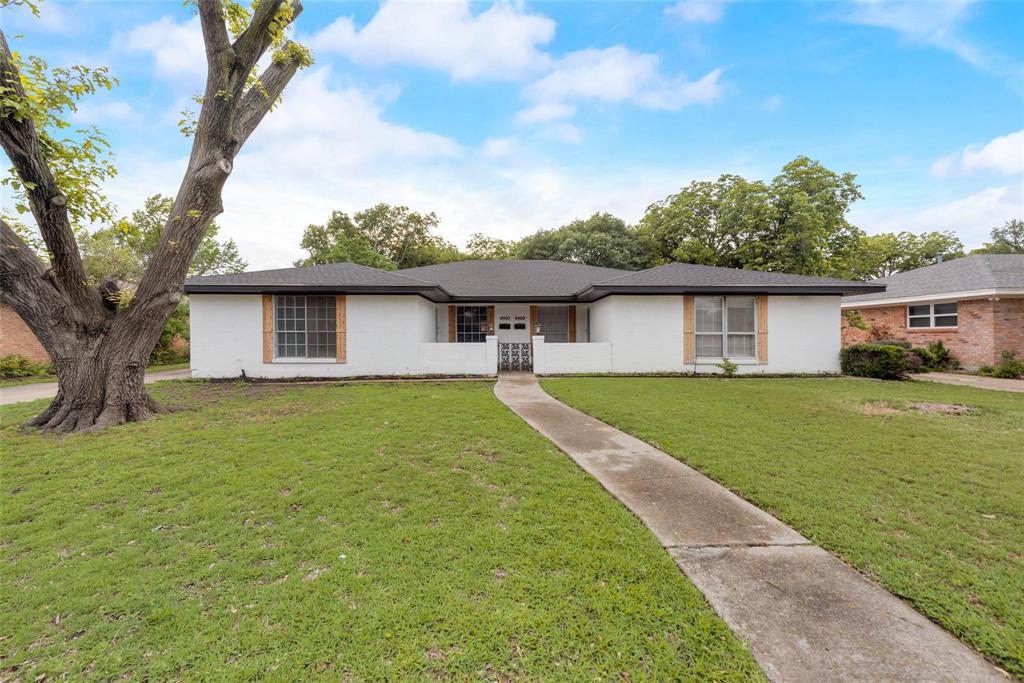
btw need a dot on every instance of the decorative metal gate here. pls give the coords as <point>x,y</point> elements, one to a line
<point>514,357</point>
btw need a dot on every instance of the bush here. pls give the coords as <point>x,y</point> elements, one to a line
<point>12,367</point>
<point>936,357</point>
<point>1010,367</point>
<point>880,361</point>
<point>172,347</point>
<point>728,367</point>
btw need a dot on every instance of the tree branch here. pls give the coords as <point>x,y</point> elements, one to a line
<point>25,286</point>
<point>254,41</point>
<point>20,140</point>
<point>215,35</point>
<point>259,100</point>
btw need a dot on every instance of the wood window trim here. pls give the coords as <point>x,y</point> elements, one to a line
<point>268,328</point>
<point>689,340</point>
<point>490,320</point>
<point>340,329</point>
<point>451,325</point>
<point>761,302</point>
<point>572,324</point>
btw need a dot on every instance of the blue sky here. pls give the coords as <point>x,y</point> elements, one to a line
<point>507,118</point>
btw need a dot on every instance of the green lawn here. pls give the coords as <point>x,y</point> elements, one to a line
<point>930,505</point>
<point>366,532</point>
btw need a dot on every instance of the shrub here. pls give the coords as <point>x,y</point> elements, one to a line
<point>18,366</point>
<point>1010,367</point>
<point>172,347</point>
<point>936,357</point>
<point>880,361</point>
<point>728,367</point>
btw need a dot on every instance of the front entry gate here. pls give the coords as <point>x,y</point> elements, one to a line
<point>514,357</point>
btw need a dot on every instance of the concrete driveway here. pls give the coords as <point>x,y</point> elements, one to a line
<point>31,392</point>
<point>979,381</point>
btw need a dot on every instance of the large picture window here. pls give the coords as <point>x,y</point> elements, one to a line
<point>932,315</point>
<point>305,326</point>
<point>554,323</point>
<point>470,324</point>
<point>725,326</point>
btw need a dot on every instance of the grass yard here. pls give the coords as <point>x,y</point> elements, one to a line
<point>931,505</point>
<point>364,532</point>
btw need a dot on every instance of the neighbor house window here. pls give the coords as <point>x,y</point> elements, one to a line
<point>304,326</point>
<point>724,326</point>
<point>470,324</point>
<point>554,323</point>
<point>932,315</point>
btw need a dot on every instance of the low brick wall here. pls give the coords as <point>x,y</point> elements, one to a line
<point>16,339</point>
<point>985,328</point>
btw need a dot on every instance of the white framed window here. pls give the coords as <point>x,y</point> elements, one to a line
<point>932,315</point>
<point>725,326</point>
<point>305,327</point>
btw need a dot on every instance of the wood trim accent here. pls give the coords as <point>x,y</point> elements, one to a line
<point>340,328</point>
<point>762,329</point>
<point>533,321</point>
<point>689,340</point>
<point>451,324</point>
<point>268,328</point>
<point>572,324</point>
<point>490,320</point>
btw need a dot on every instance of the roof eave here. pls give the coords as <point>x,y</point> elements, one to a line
<point>600,291</point>
<point>434,293</point>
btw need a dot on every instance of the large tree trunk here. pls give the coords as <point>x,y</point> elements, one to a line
<point>100,387</point>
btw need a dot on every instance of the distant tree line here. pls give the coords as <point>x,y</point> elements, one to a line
<point>796,223</point>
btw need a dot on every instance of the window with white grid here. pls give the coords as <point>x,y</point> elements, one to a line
<point>725,326</point>
<point>305,326</point>
<point>470,324</point>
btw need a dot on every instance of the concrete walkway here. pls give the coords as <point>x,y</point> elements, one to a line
<point>805,615</point>
<point>979,381</point>
<point>31,392</point>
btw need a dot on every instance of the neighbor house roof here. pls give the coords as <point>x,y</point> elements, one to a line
<point>975,275</point>
<point>521,281</point>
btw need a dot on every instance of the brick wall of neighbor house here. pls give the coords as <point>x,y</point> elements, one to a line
<point>16,339</point>
<point>984,329</point>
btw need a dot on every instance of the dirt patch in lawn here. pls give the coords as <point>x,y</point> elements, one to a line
<point>885,408</point>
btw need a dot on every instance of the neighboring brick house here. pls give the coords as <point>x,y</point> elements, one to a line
<point>16,339</point>
<point>974,304</point>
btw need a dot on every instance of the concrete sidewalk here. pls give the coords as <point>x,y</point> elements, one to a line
<point>978,381</point>
<point>31,392</point>
<point>805,614</point>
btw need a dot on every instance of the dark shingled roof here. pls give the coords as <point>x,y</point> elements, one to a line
<point>978,272</point>
<point>328,276</point>
<point>690,277</point>
<point>513,279</point>
<point>520,281</point>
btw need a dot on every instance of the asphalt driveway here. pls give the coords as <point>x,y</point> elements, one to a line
<point>31,392</point>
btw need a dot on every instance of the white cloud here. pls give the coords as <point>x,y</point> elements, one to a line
<point>544,112</point>
<point>104,112</point>
<point>972,217</point>
<point>498,147</point>
<point>342,132</point>
<point>563,132</point>
<point>697,11</point>
<point>1004,154</point>
<point>500,42</point>
<point>618,74</point>
<point>177,49</point>
<point>934,23</point>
